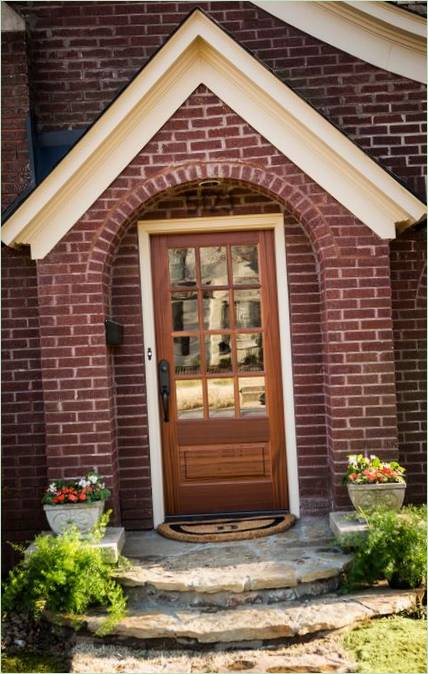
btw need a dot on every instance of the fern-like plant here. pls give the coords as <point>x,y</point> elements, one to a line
<point>394,548</point>
<point>65,574</point>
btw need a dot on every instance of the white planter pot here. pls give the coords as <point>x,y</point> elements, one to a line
<point>83,515</point>
<point>368,496</point>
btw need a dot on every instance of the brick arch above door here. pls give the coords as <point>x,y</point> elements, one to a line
<point>307,354</point>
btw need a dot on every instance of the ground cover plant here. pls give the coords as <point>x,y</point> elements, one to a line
<point>66,575</point>
<point>395,644</point>
<point>394,548</point>
<point>32,662</point>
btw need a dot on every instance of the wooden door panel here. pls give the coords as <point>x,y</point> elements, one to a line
<point>217,326</point>
<point>226,461</point>
<point>205,432</point>
<point>224,497</point>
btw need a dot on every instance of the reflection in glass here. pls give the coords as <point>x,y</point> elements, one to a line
<point>182,266</point>
<point>221,399</point>
<point>247,308</point>
<point>189,399</point>
<point>252,396</point>
<point>213,266</point>
<point>216,309</point>
<point>245,265</point>
<point>184,311</point>
<point>218,353</point>
<point>186,355</point>
<point>249,351</point>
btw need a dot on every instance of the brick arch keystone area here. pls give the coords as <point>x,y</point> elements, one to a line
<point>296,201</point>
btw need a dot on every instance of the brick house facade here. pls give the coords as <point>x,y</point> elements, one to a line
<point>356,300</point>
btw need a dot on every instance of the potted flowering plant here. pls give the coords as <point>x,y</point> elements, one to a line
<point>372,482</point>
<point>79,502</point>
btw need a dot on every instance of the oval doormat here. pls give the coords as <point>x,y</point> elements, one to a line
<point>229,529</point>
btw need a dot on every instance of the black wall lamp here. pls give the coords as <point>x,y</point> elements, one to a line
<point>114,333</point>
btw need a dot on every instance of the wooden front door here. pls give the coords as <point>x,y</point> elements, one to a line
<point>223,445</point>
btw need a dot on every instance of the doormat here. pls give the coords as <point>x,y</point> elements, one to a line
<point>229,529</point>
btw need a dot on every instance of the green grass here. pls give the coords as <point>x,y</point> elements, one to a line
<point>396,644</point>
<point>27,662</point>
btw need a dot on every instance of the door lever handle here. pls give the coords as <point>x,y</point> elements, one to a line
<point>165,405</point>
<point>164,387</point>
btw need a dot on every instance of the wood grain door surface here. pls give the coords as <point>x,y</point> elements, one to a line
<point>216,319</point>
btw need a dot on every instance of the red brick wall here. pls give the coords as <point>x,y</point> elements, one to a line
<point>93,268</point>
<point>23,430</point>
<point>84,53</point>
<point>408,275</point>
<point>15,108</point>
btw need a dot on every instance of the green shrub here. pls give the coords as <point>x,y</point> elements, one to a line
<point>65,574</point>
<point>394,548</point>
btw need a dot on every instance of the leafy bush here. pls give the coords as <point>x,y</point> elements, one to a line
<point>65,574</point>
<point>394,548</point>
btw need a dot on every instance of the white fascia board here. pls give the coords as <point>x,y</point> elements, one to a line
<point>201,53</point>
<point>392,15</point>
<point>380,34</point>
<point>11,21</point>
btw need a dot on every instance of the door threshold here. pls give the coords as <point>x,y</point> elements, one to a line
<point>215,516</point>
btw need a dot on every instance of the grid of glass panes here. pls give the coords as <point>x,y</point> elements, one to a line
<point>217,321</point>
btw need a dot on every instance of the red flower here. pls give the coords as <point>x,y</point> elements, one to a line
<point>72,497</point>
<point>82,495</point>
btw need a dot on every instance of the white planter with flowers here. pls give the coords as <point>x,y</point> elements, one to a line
<point>372,482</point>
<point>75,502</point>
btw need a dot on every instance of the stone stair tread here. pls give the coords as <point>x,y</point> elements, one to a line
<point>242,577</point>
<point>260,622</point>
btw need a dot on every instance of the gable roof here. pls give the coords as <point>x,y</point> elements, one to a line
<point>200,52</point>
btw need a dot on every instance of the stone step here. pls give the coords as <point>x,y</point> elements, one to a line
<point>237,571</point>
<point>144,596</point>
<point>257,623</point>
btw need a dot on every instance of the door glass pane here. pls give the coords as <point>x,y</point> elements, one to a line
<point>252,396</point>
<point>245,265</point>
<point>182,266</point>
<point>184,311</point>
<point>186,355</point>
<point>213,266</point>
<point>189,399</point>
<point>249,350</point>
<point>218,353</point>
<point>221,399</point>
<point>247,308</point>
<point>216,309</point>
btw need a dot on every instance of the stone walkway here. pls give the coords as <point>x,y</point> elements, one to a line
<point>324,654</point>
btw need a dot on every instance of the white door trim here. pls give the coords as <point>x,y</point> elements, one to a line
<point>146,228</point>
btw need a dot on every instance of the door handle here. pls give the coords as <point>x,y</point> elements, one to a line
<point>164,387</point>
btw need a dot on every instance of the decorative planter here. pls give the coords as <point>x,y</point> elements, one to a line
<point>83,515</point>
<point>368,496</point>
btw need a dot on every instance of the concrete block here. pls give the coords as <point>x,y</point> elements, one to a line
<point>345,523</point>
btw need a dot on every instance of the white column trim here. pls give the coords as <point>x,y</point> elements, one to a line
<point>146,228</point>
